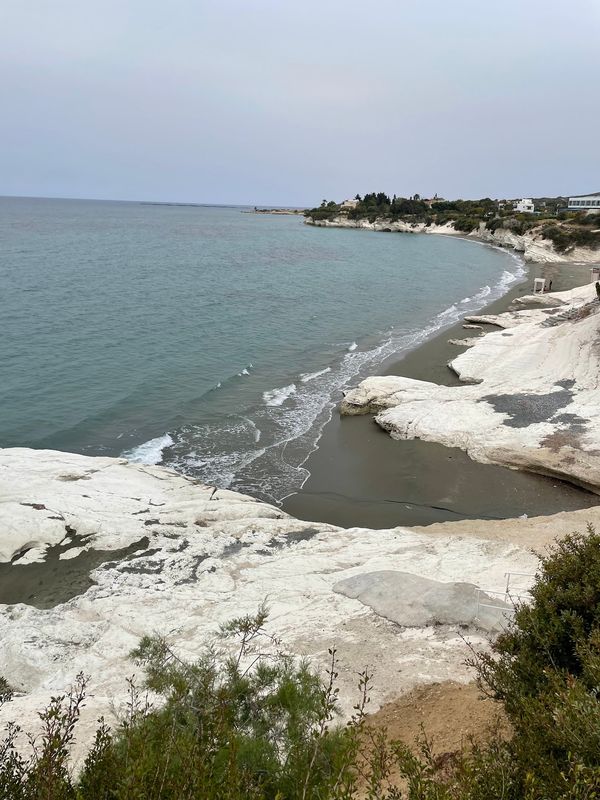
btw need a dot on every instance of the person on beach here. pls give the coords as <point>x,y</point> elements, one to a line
<point>550,286</point>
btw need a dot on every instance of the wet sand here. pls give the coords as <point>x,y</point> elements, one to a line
<point>360,476</point>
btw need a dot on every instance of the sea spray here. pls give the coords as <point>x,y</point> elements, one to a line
<point>150,452</point>
<point>277,397</point>
<point>310,376</point>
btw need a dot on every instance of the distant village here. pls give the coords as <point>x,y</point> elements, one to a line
<point>526,205</point>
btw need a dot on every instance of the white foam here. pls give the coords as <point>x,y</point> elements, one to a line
<point>310,376</point>
<point>457,310</point>
<point>480,295</point>
<point>256,432</point>
<point>508,278</point>
<point>449,312</point>
<point>150,452</point>
<point>304,420</point>
<point>277,397</point>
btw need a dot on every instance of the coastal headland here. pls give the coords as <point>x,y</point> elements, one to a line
<point>359,475</point>
<point>546,232</point>
<point>534,247</point>
<point>528,398</point>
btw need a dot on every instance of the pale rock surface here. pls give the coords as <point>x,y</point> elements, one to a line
<point>462,342</point>
<point>533,396</point>
<point>541,299</point>
<point>204,556</point>
<point>415,601</point>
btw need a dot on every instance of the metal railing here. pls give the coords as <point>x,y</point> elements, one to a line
<point>508,597</point>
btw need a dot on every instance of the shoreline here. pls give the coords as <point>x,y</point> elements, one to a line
<point>349,363</point>
<point>360,476</point>
<point>187,557</point>
<point>534,248</point>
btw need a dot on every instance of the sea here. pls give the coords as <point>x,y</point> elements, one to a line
<point>212,340</point>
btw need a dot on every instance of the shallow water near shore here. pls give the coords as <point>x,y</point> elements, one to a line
<point>209,340</point>
<point>360,476</point>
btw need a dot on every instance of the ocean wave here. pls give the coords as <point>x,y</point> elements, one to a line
<point>484,292</point>
<point>448,312</point>
<point>256,432</point>
<point>310,376</point>
<point>474,302</point>
<point>150,452</point>
<point>276,397</point>
<point>507,278</point>
<point>291,418</point>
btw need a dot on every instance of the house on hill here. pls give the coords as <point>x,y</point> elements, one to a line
<point>585,202</point>
<point>432,200</point>
<point>525,206</point>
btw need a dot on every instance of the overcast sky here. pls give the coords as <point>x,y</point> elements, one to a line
<point>280,102</point>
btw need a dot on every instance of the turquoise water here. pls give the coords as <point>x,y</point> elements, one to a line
<point>214,340</point>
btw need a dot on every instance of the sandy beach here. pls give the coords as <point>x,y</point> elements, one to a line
<point>360,476</point>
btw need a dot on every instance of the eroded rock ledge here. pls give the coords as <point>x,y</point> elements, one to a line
<point>532,401</point>
<point>179,558</point>
<point>533,247</point>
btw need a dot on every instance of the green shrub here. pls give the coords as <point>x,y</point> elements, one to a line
<point>466,224</point>
<point>250,725</point>
<point>5,691</point>
<point>44,773</point>
<point>564,237</point>
<point>256,724</point>
<point>546,670</point>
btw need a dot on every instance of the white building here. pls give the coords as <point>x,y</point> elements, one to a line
<point>585,202</point>
<point>349,204</point>
<point>525,206</point>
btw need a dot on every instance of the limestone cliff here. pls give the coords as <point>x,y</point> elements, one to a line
<point>532,245</point>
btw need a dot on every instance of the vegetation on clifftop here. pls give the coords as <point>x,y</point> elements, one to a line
<point>258,724</point>
<point>566,229</point>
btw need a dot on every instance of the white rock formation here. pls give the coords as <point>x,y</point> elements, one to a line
<point>533,396</point>
<point>462,342</point>
<point>198,557</point>
<point>414,601</point>
<point>534,248</point>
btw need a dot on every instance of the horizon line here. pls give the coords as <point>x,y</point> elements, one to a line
<point>151,202</point>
